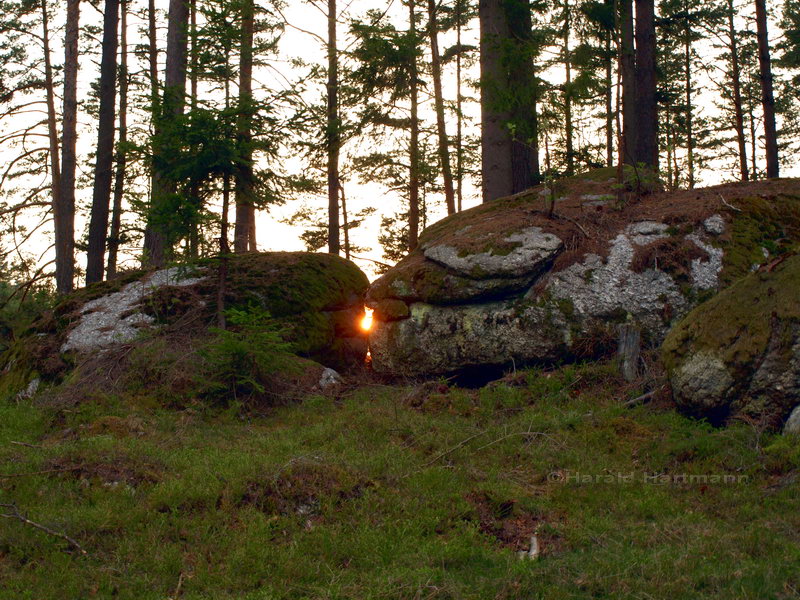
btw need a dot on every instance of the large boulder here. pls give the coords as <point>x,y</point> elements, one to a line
<point>316,300</point>
<point>510,282</point>
<point>738,354</point>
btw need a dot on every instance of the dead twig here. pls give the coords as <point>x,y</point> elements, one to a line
<point>16,515</point>
<point>65,470</point>
<point>25,444</point>
<point>574,222</point>
<point>729,205</point>
<point>640,399</point>
<point>453,449</point>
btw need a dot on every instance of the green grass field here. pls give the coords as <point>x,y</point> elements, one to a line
<point>398,492</point>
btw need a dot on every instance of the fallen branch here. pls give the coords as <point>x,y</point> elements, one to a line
<point>640,400</point>
<point>16,515</point>
<point>24,444</point>
<point>729,205</point>
<point>574,222</point>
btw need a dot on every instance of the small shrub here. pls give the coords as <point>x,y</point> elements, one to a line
<point>242,363</point>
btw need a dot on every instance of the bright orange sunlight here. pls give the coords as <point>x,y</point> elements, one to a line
<point>366,321</point>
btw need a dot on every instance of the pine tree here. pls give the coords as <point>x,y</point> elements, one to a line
<point>103,174</point>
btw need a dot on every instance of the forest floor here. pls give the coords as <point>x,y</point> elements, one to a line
<point>426,491</point>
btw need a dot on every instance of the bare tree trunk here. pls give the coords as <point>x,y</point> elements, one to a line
<point>436,72</point>
<point>244,176</point>
<point>61,215</point>
<point>333,134</point>
<point>496,167</point>
<point>173,104</point>
<point>568,123</point>
<point>152,52</point>
<point>119,180</point>
<point>647,113</point>
<point>194,187</point>
<point>628,72</point>
<point>736,82</point>
<point>609,103</point>
<point>65,229</point>
<point>670,138</point>
<point>345,224</point>
<point>413,152</point>
<point>104,163</point>
<point>767,94</point>
<point>687,60</point>
<point>459,117</point>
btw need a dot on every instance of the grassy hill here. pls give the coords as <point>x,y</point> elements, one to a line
<point>418,491</point>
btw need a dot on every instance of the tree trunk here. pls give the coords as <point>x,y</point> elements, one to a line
<point>647,113</point>
<point>496,168</point>
<point>242,236</point>
<point>119,180</point>
<point>459,117</point>
<point>628,73</point>
<point>568,124</point>
<point>103,173</point>
<point>609,103</point>
<point>736,84</point>
<point>767,95</point>
<point>520,87</point>
<point>413,149</point>
<point>61,215</point>
<point>194,187</point>
<point>332,133</point>
<point>65,232</point>
<point>173,104</point>
<point>444,144</point>
<point>687,65</point>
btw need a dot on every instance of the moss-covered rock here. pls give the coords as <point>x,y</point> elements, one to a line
<point>587,251</point>
<point>316,299</point>
<point>738,354</point>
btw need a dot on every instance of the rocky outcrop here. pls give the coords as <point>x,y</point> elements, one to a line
<point>510,282</point>
<point>738,355</point>
<point>315,300</point>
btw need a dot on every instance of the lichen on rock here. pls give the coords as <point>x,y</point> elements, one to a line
<point>547,274</point>
<point>738,354</point>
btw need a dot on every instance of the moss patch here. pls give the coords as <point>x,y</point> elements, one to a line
<point>737,324</point>
<point>770,222</point>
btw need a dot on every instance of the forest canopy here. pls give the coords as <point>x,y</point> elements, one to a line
<point>145,132</point>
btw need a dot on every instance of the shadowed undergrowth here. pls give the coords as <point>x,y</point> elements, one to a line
<point>398,492</point>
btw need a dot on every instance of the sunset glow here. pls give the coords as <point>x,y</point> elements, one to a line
<point>366,320</point>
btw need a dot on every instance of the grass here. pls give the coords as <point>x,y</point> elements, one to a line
<point>398,492</point>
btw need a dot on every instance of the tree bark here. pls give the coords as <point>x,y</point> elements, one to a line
<point>444,144</point>
<point>767,94</point>
<point>65,232</point>
<point>173,104</point>
<point>104,162</point>
<point>628,74</point>
<point>245,215</point>
<point>459,116</point>
<point>647,113</point>
<point>520,85</point>
<point>568,124</point>
<point>687,65</point>
<point>736,84</point>
<point>609,102</point>
<point>121,157</point>
<point>496,168</point>
<point>332,133</point>
<point>413,147</point>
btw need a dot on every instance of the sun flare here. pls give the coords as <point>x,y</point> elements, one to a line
<point>366,320</point>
